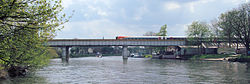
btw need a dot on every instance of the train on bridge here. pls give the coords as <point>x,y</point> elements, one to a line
<point>152,37</point>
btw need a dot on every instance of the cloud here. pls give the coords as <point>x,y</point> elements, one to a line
<point>177,30</point>
<point>122,13</point>
<point>98,10</point>
<point>89,8</point>
<point>172,6</point>
<point>110,18</point>
<point>67,3</point>
<point>98,29</point>
<point>102,13</point>
<point>140,12</point>
<point>191,7</point>
<point>194,5</point>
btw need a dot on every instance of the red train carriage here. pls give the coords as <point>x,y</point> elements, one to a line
<point>151,37</point>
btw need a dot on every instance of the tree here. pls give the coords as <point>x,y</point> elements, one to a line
<point>216,32</point>
<point>25,27</point>
<point>215,28</point>
<point>197,31</point>
<point>237,20</point>
<point>163,31</point>
<point>226,27</point>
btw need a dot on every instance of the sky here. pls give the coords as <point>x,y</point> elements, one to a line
<point>98,19</point>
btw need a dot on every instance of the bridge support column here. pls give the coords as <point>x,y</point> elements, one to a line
<point>65,54</point>
<point>125,52</point>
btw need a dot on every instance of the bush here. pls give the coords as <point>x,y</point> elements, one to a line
<point>148,56</point>
<point>52,53</point>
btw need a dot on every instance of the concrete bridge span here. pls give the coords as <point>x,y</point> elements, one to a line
<point>113,42</point>
<point>67,43</point>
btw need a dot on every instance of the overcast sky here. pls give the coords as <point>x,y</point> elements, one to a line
<point>109,18</point>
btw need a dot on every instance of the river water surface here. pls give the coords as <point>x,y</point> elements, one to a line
<point>115,70</point>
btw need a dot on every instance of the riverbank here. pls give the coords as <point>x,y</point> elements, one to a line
<point>213,56</point>
<point>240,59</point>
<point>14,71</point>
<point>220,57</point>
<point>3,74</point>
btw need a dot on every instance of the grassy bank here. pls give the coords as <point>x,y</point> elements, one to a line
<point>209,56</point>
<point>230,58</point>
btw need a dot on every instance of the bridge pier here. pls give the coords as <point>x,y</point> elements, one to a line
<point>65,54</point>
<point>125,52</point>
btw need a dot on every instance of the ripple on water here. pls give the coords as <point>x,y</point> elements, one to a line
<point>112,70</point>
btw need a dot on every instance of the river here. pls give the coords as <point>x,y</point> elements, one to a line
<point>114,70</point>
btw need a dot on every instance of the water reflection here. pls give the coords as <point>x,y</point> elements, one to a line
<point>217,72</point>
<point>248,67</point>
<point>31,78</point>
<point>115,70</point>
<point>125,61</point>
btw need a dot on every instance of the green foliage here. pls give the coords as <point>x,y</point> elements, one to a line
<point>227,30</point>
<point>198,29</point>
<point>148,56</point>
<point>197,32</point>
<point>215,29</point>
<point>25,26</point>
<point>235,24</point>
<point>1,67</point>
<point>52,53</point>
<point>163,31</point>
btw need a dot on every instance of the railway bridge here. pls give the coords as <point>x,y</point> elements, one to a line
<point>67,43</point>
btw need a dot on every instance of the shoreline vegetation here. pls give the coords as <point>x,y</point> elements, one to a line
<point>22,70</point>
<point>222,57</point>
<point>25,28</point>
